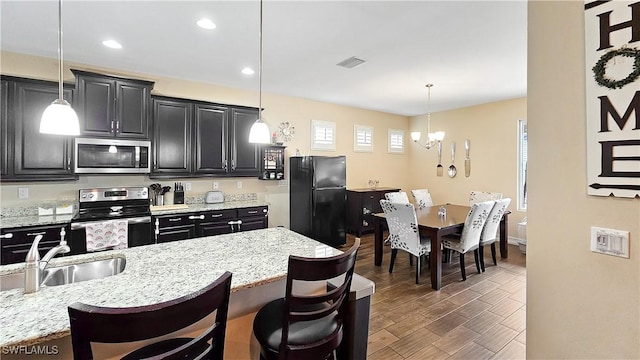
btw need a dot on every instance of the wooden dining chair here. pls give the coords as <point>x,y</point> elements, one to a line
<point>404,234</point>
<point>307,326</point>
<point>422,198</point>
<point>469,239</point>
<point>480,196</point>
<point>490,232</point>
<point>397,197</point>
<point>119,325</point>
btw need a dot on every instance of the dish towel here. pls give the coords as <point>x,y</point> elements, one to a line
<point>110,234</point>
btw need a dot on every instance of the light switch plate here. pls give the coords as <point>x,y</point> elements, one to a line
<point>187,186</point>
<point>610,241</point>
<point>23,193</point>
<point>239,184</point>
<point>215,185</point>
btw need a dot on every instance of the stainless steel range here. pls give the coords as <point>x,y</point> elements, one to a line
<point>110,218</point>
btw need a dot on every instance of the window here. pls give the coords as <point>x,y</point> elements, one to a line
<point>323,135</point>
<point>522,165</point>
<point>396,141</point>
<point>362,138</point>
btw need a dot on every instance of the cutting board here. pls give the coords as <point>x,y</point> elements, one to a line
<point>169,207</point>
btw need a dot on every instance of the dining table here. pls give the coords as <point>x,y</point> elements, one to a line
<point>435,226</point>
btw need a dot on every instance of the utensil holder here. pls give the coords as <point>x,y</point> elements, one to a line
<point>159,200</point>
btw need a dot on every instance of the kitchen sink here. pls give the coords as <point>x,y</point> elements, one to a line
<point>68,274</point>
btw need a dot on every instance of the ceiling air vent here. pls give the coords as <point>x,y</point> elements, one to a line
<point>350,62</point>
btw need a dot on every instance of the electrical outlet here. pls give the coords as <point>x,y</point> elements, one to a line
<point>215,185</point>
<point>187,186</point>
<point>610,241</point>
<point>23,193</point>
<point>239,184</point>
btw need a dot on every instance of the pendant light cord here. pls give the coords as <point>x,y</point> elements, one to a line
<point>260,70</point>
<point>429,109</point>
<point>60,94</point>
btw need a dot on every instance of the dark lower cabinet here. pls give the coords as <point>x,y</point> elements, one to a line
<point>27,154</point>
<point>209,223</point>
<point>361,203</point>
<point>16,242</point>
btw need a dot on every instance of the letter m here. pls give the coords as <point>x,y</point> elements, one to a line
<point>606,109</point>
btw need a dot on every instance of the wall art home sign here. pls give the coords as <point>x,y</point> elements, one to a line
<point>612,55</point>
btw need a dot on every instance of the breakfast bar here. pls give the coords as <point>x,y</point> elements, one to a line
<point>161,272</point>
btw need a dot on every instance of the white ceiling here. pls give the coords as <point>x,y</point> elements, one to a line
<point>472,51</point>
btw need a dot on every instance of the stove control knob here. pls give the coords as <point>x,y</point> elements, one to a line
<point>91,196</point>
<point>84,196</point>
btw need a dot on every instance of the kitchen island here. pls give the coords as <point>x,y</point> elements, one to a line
<point>154,274</point>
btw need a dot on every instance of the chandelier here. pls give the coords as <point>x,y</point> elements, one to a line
<point>433,138</point>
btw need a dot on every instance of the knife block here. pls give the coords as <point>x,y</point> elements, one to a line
<point>178,197</point>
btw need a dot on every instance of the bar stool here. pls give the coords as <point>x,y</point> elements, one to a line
<point>308,326</point>
<point>119,325</point>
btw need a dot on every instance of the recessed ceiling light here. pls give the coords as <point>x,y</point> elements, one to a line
<point>112,44</point>
<point>206,24</point>
<point>248,71</point>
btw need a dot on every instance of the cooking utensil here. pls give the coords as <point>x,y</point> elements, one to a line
<point>439,168</point>
<point>165,189</point>
<point>467,159</point>
<point>452,171</point>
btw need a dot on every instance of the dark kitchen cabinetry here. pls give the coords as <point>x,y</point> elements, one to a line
<point>4,133</point>
<point>28,155</point>
<point>361,203</point>
<point>197,139</point>
<point>171,137</point>
<point>110,106</point>
<point>208,223</point>
<point>16,242</point>
<point>272,162</point>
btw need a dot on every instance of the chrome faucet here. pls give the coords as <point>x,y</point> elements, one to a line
<point>35,266</point>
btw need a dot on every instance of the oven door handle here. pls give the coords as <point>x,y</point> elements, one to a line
<point>137,220</point>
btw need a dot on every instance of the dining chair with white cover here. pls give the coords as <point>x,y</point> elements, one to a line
<point>422,198</point>
<point>397,197</point>
<point>489,234</point>
<point>480,196</point>
<point>469,239</point>
<point>404,233</point>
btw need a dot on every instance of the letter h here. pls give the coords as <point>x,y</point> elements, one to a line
<point>606,28</point>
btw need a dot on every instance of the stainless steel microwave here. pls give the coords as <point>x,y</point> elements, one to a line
<point>111,156</point>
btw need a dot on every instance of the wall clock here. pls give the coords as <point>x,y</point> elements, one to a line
<point>286,131</point>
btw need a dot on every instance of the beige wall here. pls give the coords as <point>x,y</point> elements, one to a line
<point>389,169</point>
<point>579,304</point>
<point>493,131</point>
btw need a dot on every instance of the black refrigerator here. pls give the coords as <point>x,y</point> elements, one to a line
<point>318,198</point>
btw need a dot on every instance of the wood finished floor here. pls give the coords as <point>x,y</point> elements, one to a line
<point>480,318</point>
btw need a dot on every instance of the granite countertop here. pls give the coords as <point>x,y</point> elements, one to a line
<point>153,274</point>
<point>34,220</point>
<point>208,207</point>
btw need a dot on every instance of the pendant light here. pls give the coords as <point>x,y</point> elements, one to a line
<point>433,138</point>
<point>59,117</point>
<point>259,133</point>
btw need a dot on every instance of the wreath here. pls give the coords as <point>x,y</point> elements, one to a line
<point>599,70</point>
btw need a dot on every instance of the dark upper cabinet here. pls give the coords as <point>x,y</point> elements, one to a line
<point>244,155</point>
<point>209,151</point>
<point>196,139</point>
<point>4,130</point>
<point>171,137</point>
<point>110,106</point>
<point>36,156</point>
